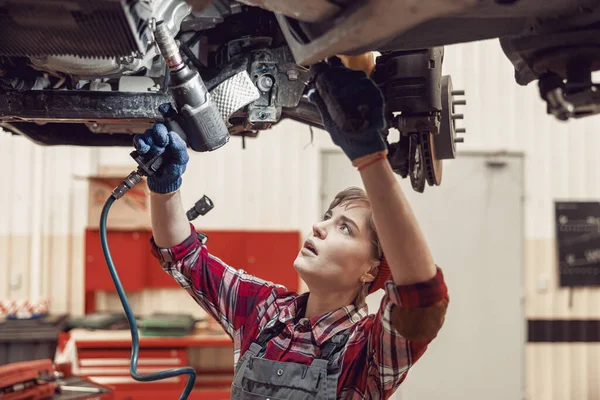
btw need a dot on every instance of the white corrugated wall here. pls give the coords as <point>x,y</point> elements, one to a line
<point>43,213</point>
<point>43,207</point>
<point>273,184</point>
<point>561,163</point>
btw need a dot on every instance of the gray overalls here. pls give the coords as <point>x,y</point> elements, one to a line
<point>257,378</point>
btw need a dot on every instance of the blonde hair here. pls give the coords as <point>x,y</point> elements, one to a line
<point>357,195</point>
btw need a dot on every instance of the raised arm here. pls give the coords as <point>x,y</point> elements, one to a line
<point>352,109</point>
<point>402,240</point>
<point>169,222</point>
<point>228,295</point>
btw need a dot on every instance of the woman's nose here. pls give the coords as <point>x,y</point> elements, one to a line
<point>319,230</point>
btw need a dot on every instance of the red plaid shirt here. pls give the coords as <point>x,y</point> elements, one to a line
<point>376,358</point>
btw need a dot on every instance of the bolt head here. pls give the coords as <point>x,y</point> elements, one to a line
<point>265,83</point>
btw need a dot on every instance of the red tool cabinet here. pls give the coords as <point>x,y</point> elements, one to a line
<point>103,357</point>
<point>267,254</point>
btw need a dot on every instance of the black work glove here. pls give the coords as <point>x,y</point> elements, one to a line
<point>351,107</point>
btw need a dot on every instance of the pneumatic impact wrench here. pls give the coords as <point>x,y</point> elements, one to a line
<point>197,114</point>
<point>195,118</point>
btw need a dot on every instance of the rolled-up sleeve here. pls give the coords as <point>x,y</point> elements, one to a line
<point>408,319</point>
<point>227,294</point>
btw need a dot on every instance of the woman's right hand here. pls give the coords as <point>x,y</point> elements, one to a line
<point>159,140</point>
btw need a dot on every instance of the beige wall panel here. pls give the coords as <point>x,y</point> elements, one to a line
<point>565,371</point>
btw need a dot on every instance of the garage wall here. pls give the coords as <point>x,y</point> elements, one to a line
<point>561,163</point>
<point>42,207</point>
<point>44,210</point>
<point>42,217</point>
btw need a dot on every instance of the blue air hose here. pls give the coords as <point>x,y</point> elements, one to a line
<point>135,339</point>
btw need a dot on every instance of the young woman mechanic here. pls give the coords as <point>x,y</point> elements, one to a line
<point>321,344</point>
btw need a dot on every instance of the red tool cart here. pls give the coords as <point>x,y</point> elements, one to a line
<point>40,380</point>
<point>104,356</point>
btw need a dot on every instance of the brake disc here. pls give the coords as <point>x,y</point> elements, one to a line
<point>431,163</point>
<point>416,164</point>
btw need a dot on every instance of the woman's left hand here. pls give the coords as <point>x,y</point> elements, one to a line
<point>351,107</point>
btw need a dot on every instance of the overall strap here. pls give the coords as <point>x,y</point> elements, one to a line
<point>328,360</point>
<point>331,352</point>
<point>334,345</point>
<point>265,335</point>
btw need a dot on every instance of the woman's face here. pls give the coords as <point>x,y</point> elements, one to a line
<point>338,251</point>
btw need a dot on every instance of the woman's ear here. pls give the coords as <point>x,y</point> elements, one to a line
<point>370,275</point>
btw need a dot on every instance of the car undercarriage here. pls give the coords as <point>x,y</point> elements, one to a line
<point>85,73</point>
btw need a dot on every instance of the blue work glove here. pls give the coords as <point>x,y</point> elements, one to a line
<point>344,95</point>
<point>159,140</point>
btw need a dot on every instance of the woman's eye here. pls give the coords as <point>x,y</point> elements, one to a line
<point>345,229</point>
<point>326,217</point>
